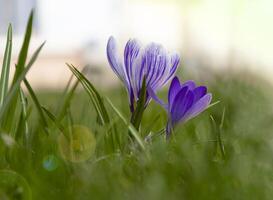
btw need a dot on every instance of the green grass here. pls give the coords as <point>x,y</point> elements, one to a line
<point>75,144</point>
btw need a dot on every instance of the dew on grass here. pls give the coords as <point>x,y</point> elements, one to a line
<point>13,186</point>
<point>77,144</point>
<point>50,162</point>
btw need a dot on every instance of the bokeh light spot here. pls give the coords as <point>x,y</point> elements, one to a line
<point>50,162</point>
<point>13,186</point>
<point>77,144</point>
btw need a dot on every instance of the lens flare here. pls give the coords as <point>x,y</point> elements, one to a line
<point>77,144</point>
<point>50,162</point>
<point>13,186</point>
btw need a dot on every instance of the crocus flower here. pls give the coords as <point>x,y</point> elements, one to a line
<point>152,62</point>
<point>185,101</point>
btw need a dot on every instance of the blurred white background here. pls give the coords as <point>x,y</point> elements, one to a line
<point>233,34</point>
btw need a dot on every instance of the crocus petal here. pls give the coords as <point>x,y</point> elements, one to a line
<point>114,61</point>
<point>155,97</point>
<point>190,84</point>
<point>131,52</point>
<point>198,107</point>
<point>174,65</point>
<point>151,63</point>
<point>199,92</point>
<point>154,63</point>
<point>181,104</point>
<point>173,90</point>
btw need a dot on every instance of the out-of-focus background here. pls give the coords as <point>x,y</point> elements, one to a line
<point>221,34</point>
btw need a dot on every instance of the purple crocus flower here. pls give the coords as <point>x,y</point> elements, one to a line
<point>185,101</point>
<point>152,62</point>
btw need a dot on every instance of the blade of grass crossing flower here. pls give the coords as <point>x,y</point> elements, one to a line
<point>16,85</point>
<point>4,80</point>
<point>131,128</point>
<point>93,94</point>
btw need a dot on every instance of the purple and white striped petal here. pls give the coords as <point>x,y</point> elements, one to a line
<point>115,63</point>
<point>152,94</point>
<point>131,52</point>
<point>174,65</point>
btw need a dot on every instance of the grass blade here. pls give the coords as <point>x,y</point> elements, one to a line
<point>10,116</point>
<point>213,104</point>
<point>217,129</point>
<point>53,119</point>
<point>4,81</point>
<point>23,125</point>
<point>138,113</point>
<point>64,103</point>
<point>36,103</point>
<point>24,50</point>
<point>16,85</point>
<point>131,128</point>
<point>93,94</point>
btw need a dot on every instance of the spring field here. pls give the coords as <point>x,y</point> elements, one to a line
<point>79,144</point>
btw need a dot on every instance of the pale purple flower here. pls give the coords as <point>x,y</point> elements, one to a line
<point>152,62</point>
<point>185,101</point>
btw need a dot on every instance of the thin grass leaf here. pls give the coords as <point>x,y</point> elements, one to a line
<point>53,119</point>
<point>36,103</point>
<point>218,135</point>
<point>64,103</point>
<point>95,97</point>
<point>137,115</point>
<point>23,125</point>
<point>15,87</point>
<point>131,128</point>
<point>10,117</point>
<point>221,144</point>
<point>213,104</point>
<point>223,118</point>
<point>4,81</point>
<point>24,50</point>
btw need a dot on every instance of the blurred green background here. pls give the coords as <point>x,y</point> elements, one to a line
<point>225,153</point>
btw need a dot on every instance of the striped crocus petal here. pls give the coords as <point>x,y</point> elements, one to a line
<point>157,66</point>
<point>131,52</point>
<point>115,63</point>
<point>174,65</point>
<point>118,67</point>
